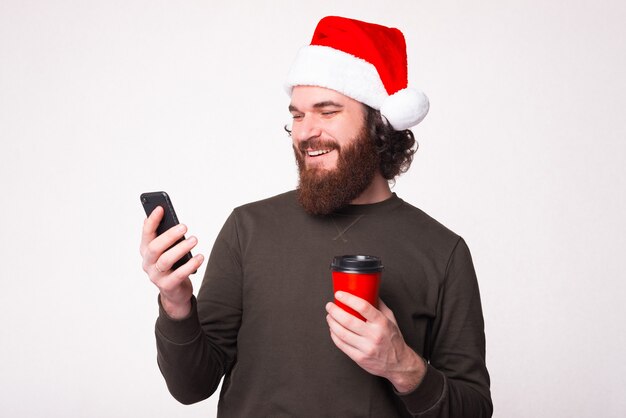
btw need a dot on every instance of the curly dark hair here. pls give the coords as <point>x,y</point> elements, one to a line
<point>395,148</point>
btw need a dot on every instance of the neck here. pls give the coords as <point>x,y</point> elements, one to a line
<point>377,191</point>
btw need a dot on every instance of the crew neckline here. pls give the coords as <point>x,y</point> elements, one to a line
<point>371,208</point>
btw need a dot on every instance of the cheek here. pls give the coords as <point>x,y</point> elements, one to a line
<point>346,130</point>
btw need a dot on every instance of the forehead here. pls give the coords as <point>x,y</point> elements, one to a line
<point>305,97</point>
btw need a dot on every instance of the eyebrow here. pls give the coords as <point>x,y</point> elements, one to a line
<point>320,105</point>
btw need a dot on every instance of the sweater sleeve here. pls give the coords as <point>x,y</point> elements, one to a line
<point>456,383</point>
<point>195,352</point>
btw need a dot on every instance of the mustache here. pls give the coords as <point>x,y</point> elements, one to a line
<point>317,144</point>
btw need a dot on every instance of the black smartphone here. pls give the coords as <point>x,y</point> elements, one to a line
<point>150,201</point>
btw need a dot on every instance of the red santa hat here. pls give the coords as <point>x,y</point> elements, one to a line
<point>364,61</point>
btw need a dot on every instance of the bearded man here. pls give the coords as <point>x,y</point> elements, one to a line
<point>263,319</point>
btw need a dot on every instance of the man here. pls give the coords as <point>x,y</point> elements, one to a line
<point>262,318</point>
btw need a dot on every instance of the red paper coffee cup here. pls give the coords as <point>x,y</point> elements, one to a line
<point>358,275</point>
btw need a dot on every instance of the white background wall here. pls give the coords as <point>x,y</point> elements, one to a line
<point>522,154</point>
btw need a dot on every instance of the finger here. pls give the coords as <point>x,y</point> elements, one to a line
<point>360,305</point>
<point>346,319</point>
<point>344,334</point>
<point>169,282</point>
<point>382,307</point>
<point>169,237</point>
<point>150,225</point>
<point>189,267</point>
<point>349,350</point>
<point>163,242</point>
<point>171,256</point>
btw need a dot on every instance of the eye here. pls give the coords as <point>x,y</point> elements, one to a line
<point>329,112</point>
<point>297,116</point>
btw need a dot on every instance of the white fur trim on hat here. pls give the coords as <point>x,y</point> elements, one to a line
<point>405,108</point>
<point>322,66</point>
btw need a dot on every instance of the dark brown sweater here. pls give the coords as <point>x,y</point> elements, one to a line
<point>259,318</point>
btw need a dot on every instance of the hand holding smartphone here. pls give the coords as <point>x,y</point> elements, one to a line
<point>151,201</point>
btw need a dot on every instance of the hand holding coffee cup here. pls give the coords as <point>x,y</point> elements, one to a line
<point>358,275</point>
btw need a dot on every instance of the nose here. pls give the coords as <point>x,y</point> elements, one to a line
<point>306,128</point>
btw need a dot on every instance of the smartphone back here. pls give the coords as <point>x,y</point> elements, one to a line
<point>151,201</point>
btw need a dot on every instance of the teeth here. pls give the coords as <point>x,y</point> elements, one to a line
<point>317,152</point>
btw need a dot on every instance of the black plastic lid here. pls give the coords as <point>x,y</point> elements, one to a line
<point>357,263</point>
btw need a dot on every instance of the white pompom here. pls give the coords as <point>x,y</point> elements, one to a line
<point>405,108</point>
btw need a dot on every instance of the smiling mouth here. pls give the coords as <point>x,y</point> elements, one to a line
<point>317,152</point>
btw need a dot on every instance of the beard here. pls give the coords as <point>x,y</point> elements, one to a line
<point>321,191</point>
